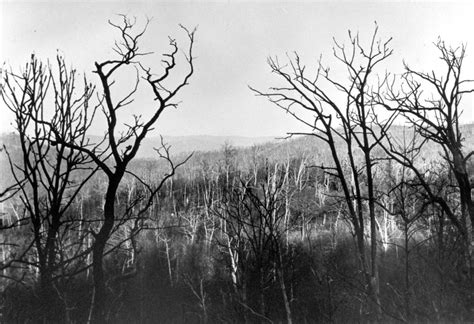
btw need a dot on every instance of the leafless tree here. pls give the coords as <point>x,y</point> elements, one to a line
<point>342,115</point>
<point>48,177</point>
<point>122,147</point>
<point>253,237</point>
<point>431,103</point>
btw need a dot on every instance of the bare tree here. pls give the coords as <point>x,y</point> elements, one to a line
<point>122,148</point>
<point>343,118</point>
<point>431,104</point>
<point>49,178</point>
<point>253,238</point>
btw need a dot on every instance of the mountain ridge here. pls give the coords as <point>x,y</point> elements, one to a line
<point>178,143</point>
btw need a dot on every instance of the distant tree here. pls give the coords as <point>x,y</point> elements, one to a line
<point>228,164</point>
<point>253,237</point>
<point>344,118</point>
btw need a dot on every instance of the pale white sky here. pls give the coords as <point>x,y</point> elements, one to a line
<point>232,44</point>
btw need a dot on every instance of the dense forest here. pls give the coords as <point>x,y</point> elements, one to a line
<point>367,217</point>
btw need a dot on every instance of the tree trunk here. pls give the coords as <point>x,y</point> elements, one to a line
<point>99,300</point>
<point>407,270</point>
<point>47,300</point>
<point>286,301</point>
<point>467,208</point>
<point>99,304</point>
<point>262,308</point>
<point>374,273</point>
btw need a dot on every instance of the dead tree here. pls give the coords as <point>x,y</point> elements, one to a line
<point>253,237</point>
<point>407,205</point>
<point>343,119</point>
<point>122,147</point>
<point>49,177</point>
<point>431,104</point>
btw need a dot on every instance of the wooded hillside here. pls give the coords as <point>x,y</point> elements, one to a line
<point>365,217</point>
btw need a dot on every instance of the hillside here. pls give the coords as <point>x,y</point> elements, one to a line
<point>204,143</point>
<point>209,147</point>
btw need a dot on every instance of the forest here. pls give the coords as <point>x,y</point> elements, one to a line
<point>366,217</point>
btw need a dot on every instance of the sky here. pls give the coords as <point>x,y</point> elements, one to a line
<point>233,41</point>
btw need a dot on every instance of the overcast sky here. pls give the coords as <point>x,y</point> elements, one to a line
<point>233,42</point>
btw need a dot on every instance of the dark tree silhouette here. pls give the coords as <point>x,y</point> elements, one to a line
<point>48,178</point>
<point>121,148</point>
<point>344,118</point>
<point>430,103</point>
<point>253,236</point>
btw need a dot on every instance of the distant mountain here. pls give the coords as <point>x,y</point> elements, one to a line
<point>179,144</point>
<point>271,146</point>
<point>203,143</point>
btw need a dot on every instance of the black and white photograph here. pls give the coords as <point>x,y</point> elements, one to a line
<point>232,161</point>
